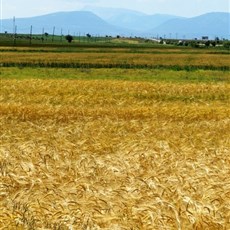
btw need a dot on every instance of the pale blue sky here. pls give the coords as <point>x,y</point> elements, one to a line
<point>187,8</point>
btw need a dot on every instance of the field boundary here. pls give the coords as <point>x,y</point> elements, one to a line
<point>115,65</point>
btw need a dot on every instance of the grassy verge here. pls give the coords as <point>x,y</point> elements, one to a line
<point>115,73</point>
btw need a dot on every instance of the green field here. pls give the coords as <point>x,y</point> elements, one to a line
<point>113,60</point>
<point>197,76</point>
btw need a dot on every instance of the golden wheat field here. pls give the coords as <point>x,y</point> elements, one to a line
<point>119,155</point>
<point>202,59</point>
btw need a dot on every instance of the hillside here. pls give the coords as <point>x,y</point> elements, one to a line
<point>125,23</point>
<point>210,24</point>
<point>129,18</point>
<point>78,22</point>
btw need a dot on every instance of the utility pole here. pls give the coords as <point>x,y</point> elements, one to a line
<point>31,29</point>
<point>43,34</point>
<point>61,35</point>
<point>13,24</point>
<point>53,34</point>
<point>14,32</point>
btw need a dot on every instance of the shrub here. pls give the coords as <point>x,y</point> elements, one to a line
<point>69,38</point>
<point>227,44</point>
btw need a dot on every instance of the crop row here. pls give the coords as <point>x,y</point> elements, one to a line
<point>114,93</point>
<point>115,65</point>
<point>132,50</point>
<point>119,58</point>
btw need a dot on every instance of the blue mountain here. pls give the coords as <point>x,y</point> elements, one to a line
<point>210,24</point>
<point>124,22</point>
<point>76,22</point>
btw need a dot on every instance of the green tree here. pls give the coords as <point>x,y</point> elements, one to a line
<point>213,43</point>
<point>226,44</point>
<point>207,43</point>
<point>217,40</point>
<point>69,38</point>
<point>194,44</point>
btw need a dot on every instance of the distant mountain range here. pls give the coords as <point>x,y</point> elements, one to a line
<point>68,22</point>
<point>210,24</point>
<point>130,19</point>
<point>109,21</point>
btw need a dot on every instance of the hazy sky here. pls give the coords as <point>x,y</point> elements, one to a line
<point>189,8</point>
